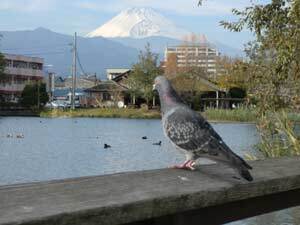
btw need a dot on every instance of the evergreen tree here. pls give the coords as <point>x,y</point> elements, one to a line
<point>34,94</point>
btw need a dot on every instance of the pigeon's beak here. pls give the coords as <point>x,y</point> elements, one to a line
<point>153,87</point>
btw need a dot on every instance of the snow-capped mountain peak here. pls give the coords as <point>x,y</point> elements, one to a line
<point>139,23</point>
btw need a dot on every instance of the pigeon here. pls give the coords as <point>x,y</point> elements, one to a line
<point>158,143</point>
<point>192,134</point>
<point>107,146</point>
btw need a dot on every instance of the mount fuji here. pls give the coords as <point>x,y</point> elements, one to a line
<point>135,27</point>
<point>139,23</point>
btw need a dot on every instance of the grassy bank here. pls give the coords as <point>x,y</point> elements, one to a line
<point>105,113</point>
<point>220,115</point>
<point>240,115</point>
<point>237,115</point>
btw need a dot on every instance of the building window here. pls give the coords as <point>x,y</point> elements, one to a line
<point>19,81</point>
<point>8,63</point>
<point>36,66</point>
<point>106,96</point>
<point>19,64</point>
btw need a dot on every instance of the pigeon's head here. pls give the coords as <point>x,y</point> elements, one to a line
<point>167,95</point>
<point>161,84</point>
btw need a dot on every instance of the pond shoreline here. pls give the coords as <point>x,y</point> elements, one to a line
<point>240,115</point>
<point>230,116</point>
<point>23,113</point>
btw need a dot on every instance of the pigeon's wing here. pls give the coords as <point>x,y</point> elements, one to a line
<point>190,131</point>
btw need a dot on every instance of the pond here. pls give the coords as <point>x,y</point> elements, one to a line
<point>65,148</point>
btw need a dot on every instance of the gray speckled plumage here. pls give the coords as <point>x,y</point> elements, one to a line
<point>191,133</point>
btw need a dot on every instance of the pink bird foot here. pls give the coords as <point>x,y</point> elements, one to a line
<point>188,165</point>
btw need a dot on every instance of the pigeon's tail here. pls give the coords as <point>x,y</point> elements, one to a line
<point>245,164</point>
<point>237,163</point>
<point>242,167</point>
<point>244,172</point>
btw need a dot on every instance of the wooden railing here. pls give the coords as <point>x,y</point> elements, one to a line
<point>210,195</point>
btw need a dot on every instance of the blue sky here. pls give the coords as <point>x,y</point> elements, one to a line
<point>83,16</point>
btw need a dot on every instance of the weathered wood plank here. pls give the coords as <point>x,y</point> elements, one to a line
<point>228,212</point>
<point>159,195</point>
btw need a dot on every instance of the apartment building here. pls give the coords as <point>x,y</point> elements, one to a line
<point>198,55</point>
<point>19,71</point>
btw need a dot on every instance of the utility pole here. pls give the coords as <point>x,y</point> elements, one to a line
<point>74,71</point>
<point>38,94</point>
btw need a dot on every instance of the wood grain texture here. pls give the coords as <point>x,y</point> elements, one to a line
<point>146,195</point>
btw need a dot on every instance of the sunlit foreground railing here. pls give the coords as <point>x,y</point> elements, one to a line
<point>168,196</point>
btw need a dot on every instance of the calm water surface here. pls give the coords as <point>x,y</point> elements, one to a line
<point>65,148</point>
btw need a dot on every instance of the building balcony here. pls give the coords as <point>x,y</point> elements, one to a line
<point>23,72</point>
<point>12,87</point>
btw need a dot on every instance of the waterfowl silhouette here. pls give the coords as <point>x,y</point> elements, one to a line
<point>157,143</point>
<point>107,146</point>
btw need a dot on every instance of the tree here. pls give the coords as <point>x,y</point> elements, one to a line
<point>274,55</point>
<point>133,85</point>
<point>140,82</point>
<point>274,70</point>
<point>2,74</point>
<point>171,68</point>
<point>189,84</point>
<point>2,66</point>
<point>34,95</point>
<point>189,79</point>
<point>232,73</point>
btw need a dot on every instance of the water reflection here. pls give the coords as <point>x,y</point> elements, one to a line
<point>63,148</point>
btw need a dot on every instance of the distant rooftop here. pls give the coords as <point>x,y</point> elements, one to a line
<point>66,91</point>
<point>189,44</point>
<point>108,85</point>
<point>113,73</point>
<point>117,70</point>
<point>23,58</point>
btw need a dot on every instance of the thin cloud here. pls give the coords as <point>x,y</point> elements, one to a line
<point>102,7</point>
<point>27,5</point>
<point>183,7</point>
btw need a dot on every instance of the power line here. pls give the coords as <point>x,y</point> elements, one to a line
<point>44,53</point>
<point>34,47</point>
<point>74,70</point>
<point>80,65</point>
